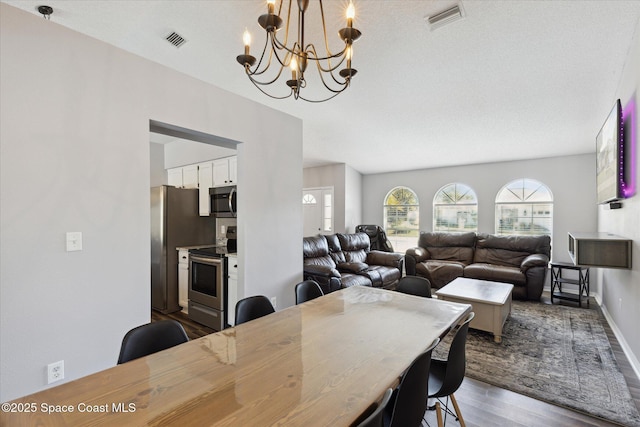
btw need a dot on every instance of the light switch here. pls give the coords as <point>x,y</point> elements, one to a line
<point>74,241</point>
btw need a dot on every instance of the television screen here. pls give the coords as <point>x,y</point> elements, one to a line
<point>609,157</point>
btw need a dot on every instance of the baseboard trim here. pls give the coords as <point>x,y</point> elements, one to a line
<point>633,360</point>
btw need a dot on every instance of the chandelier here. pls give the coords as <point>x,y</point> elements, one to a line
<point>281,53</point>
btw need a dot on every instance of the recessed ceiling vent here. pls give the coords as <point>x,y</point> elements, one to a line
<point>445,17</point>
<point>176,39</point>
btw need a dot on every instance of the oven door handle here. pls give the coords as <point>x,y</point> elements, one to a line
<point>206,260</point>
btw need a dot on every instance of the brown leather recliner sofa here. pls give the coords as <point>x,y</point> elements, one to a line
<point>519,260</point>
<point>342,260</point>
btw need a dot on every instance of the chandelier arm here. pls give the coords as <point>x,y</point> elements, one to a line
<point>268,94</point>
<point>324,29</point>
<point>257,82</point>
<point>326,58</point>
<point>344,83</point>
<point>274,52</point>
<point>317,101</point>
<point>312,49</point>
<point>256,70</point>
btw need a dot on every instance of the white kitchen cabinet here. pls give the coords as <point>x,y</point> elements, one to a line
<point>205,181</point>
<point>183,177</point>
<point>225,171</point>
<point>190,176</point>
<point>183,279</point>
<point>232,288</point>
<point>233,170</point>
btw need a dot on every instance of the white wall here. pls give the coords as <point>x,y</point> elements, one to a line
<point>620,289</point>
<point>182,153</point>
<point>571,180</point>
<point>76,157</point>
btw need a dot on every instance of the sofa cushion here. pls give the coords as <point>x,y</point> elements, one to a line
<point>354,246</point>
<point>381,275</point>
<point>449,246</point>
<point>335,251</point>
<point>509,250</point>
<point>352,267</point>
<point>439,272</point>
<point>316,252</point>
<point>314,247</point>
<point>496,273</point>
<point>349,279</point>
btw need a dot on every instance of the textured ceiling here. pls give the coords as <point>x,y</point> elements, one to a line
<point>512,80</point>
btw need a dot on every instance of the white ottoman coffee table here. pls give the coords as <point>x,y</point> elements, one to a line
<point>491,302</point>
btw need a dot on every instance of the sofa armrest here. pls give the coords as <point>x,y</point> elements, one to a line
<point>389,259</point>
<point>320,271</point>
<point>413,256</point>
<point>534,260</point>
<point>352,267</point>
<point>418,254</point>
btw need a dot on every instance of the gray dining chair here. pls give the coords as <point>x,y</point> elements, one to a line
<point>414,285</point>
<point>307,290</point>
<point>252,308</point>
<point>375,418</point>
<point>409,401</point>
<point>150,338</point>
<point>445,376</point>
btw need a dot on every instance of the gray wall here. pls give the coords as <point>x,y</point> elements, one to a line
<point>76,157</point>
<point>352,199</point>
<point>571,180</point>
<point>347,193</point>
<point>620,289</point>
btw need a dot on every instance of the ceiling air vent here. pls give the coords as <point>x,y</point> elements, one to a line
<point>176,39</point>
<point>445,17</point>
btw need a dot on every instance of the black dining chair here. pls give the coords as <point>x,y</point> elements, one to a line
<point>445,376</point>
<point>414,285</point>
<point>375,418</point>
<point>251,308</point>
<point>151,338</point>
<point>409,401</point>
<point>307,290</point>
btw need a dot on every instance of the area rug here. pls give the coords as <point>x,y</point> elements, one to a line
<point>557,354</point>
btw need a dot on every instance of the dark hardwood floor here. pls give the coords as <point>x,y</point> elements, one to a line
<point>484,405</point>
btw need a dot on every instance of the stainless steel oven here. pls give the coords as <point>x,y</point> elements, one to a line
<point>207,287</point>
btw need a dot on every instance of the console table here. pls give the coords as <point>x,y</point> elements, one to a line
<point>557,280</point>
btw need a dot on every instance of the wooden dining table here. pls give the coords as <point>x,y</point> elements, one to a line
<point>321,363</point>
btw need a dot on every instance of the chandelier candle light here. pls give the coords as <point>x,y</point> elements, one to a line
<point>298,55</point>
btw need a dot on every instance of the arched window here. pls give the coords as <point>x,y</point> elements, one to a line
<point>524,207</point>
<point>455,208</point>
<point>401,222</point>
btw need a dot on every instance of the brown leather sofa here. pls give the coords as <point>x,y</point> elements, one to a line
<point>342,260</point>
<point>519,260</point>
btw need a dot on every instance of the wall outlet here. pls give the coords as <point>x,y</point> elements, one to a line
<point>55,371</point>
<point>273,302</point>
<point>620,303</point>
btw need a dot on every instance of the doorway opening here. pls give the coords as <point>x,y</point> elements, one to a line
<point>317,209</point>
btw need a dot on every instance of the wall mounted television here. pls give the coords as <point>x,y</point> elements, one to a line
<point>610,158</point>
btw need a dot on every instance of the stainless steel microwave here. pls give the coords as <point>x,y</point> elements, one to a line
<point>223,201</point>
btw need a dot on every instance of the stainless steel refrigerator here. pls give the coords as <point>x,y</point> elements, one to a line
<point>175,222</point>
